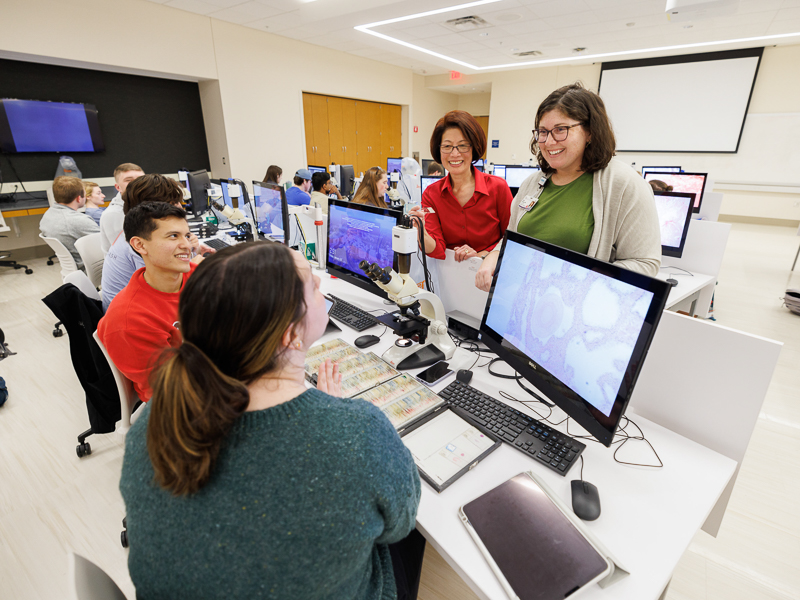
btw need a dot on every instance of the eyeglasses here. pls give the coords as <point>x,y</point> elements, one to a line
<point>560,133</point>
<point>462,148</point>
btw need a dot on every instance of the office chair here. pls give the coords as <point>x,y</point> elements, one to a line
<point>12,264</point>
<point>68,266</point>
<point>90,582</point>
<point>128,400</point>
<point>92,256</point>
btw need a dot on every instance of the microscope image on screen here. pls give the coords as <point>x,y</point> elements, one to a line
<point>356,236</point>
<point>577,324</point>
<point>672,217</point>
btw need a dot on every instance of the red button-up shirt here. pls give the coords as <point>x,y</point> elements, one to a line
<point>480,223</point>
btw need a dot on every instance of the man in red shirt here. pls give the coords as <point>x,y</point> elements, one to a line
<point>142,319</point>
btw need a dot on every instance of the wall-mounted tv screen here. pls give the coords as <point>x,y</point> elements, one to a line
<point>37,126</point>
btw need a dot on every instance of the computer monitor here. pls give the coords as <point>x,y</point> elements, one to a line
<point>346,184</point>
<point>499,171</point>
<point>426,180</point>
<point>232,201</point>
<point>198,183</point>
<point>393,164</point>
<point>694,183</point>
<point>576,327</point>
<point>315,169</point>
<point>674,214</point>
<point>272,211</point>
<point>426,162</point>
<point>359,232</point>
<point>516,175</point>
<point>183,178</point>
<point>646,170</point>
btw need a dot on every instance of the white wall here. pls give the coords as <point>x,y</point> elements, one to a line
<point>427,107</point>
<point>478,105</point>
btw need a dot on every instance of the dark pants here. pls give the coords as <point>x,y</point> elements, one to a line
<point>407,557</point>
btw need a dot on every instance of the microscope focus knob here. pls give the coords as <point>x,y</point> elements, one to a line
<point>438,328</point>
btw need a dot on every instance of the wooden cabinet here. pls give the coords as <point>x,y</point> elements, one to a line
<point>351,132</point>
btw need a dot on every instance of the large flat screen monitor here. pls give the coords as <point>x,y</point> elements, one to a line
<point>674,214</point>
<point>37,126</point>
<point>426,180</point>
<point>393,164</point>
<point>272,211</point>
<point>694,183</point>
<point>198,183</point>
<point>359,232</point>
<point>576,327</point>
<point>316,169</point>
<point>646,170</point>
<point>348,176</point>
<point>516,175</point>
<point>499,171</point>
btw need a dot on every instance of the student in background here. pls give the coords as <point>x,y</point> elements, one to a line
<point>584,199</point>
<point>234,481</point>
<point>471,208</point>
<point>94,200</point>
<point>372,189</point>
<point>298,193</point>
<point>142,319</point>
<point>112,219</point>
<point>435,169</point>
<point>660,186</point>
<point>63,221</point>
<point>274,174</point>
<point>322,187</point>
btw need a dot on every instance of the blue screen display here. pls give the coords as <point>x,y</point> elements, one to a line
<point>357,235</point>
<point>226,195</point>
<point>269,209</point>
<point>48,126</point>
<point>393,164</point>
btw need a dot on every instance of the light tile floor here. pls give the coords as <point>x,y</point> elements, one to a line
<point>50,501</point>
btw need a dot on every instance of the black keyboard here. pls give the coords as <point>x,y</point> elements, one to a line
<point>528,435</point>
<point>351,315</point>
<point>216,244</point>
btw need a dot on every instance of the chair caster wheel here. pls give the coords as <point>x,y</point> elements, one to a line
<point>57,333</point>
<point>83,449</point>
<point>28,271</point>
<point>123,538</point>
<point>49,262</point>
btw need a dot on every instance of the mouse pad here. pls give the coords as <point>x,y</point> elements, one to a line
<point>542,555</point>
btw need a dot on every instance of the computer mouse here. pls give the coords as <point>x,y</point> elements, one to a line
<point>464,376</point>
<point>585,500</point>
<point>672,282</point>
<point>365,341</point>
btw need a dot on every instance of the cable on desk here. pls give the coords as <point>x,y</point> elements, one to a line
<point>622,437</point>
<point>674,267</point>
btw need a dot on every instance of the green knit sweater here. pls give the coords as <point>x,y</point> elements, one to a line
<point>303,500</point>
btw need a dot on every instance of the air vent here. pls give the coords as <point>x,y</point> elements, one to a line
<point>528,53</point>
<point>470,23</point>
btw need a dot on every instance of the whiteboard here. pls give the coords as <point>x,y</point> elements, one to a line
<point>696,106</point>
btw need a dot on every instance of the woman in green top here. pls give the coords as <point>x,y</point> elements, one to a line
<point>241,483</point>
<point>584,199</point>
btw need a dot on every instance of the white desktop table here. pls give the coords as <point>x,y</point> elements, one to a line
<point>690,286</point>
<point>649,516</point>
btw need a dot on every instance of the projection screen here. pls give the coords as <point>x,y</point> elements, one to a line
<point>692,103</point>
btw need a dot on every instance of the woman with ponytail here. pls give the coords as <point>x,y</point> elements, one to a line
<point>239,482</point>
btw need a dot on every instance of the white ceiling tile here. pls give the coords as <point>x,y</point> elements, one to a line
<point>560,8</point>
<point>779,27</point>
<point>226,3</point>
<point>196,6</point>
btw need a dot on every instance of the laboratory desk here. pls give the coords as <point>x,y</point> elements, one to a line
<point>649,515</point>
<point>25,207</point>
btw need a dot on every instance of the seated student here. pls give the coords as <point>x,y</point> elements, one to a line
<point>323,186</point>
<point>298,193</point>
<point>234,484</point>
<point>113,217</point>
<point>63,221</point>
<point>660,186</point>
<point>471,208</point>
<point>274,174</point>
<point>141,321</point>
<point>584,199</point>
<point>94,200</point>
<point>121,261</point>
<point>435,169</point>
<point>372,189</point>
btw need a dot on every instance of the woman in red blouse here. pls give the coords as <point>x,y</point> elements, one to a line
<point>470,209</point>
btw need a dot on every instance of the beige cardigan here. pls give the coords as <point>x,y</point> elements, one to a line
<point>626,230</point>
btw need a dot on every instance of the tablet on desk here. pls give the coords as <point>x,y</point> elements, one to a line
<point>535,550</point>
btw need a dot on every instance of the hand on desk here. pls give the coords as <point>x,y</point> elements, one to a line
<point>464,252</point>
<point>329,380</point>
<point>483,279</point>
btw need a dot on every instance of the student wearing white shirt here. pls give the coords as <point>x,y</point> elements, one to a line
<point>112,219</point>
